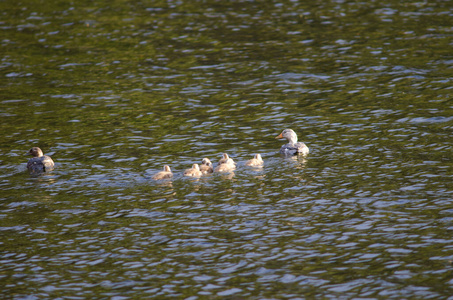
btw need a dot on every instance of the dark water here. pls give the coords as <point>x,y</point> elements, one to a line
<point>113,91</point>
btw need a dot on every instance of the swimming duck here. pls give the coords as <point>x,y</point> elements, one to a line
<point>166,173</point>
<point>293,147</point>
<point>226,164</point>
<point>225,168</point>
<point>226,159</point>
<point>257,161</point>
<point>39,162</point>
<point>206,166</point>
<point>194,171</point>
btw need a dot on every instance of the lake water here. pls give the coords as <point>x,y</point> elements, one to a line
<point>113,91</point>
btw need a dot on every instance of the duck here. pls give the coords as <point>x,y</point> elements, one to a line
<point>164,174</point>
<point>194,171</point>
<point>39,162</point>
<point>257,161</point>
<point>206,166</point>
<point>226,164</point>
<point>225,168</point>
<point>226,159</point>
<point>292,147</point>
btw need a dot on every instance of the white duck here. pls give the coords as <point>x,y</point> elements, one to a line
<point>293,147</point>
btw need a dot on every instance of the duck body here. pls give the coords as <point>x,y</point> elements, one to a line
<point>226,164</point>
<point>206,166</point>
<point>293,147</point>
<point>194,171</point>
<point>39,162</point>
<point>226,167</point>
<point>257,161</point>
<point>165,174</point>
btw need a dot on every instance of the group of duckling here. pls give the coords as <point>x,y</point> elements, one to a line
<point>226,164</point>
<point>42,163</point>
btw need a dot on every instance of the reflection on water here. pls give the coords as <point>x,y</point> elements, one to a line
<point>114,92</point>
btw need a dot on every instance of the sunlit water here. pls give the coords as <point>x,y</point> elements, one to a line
<point>113,93</point>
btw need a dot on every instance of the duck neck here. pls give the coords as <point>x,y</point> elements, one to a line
<point>292,139</point>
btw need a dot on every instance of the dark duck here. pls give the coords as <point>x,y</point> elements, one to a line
<point>39,162</point>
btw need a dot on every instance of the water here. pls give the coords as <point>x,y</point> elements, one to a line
<point>115,91</point>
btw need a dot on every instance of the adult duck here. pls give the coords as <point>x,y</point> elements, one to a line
<point>39,162</point>
<point>292,147</point>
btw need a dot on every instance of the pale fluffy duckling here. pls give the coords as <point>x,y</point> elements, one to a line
<point>257,161</point>
<point>225,168</point>
<point>39,162</point>
<point>206,166</point>
<point>226,164</point>
<point>165,174</point>
<point>224,158</point>
<point>194,171</point>
<point>293,147</point>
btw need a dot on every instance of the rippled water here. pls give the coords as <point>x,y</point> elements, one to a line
<point>115,91</point>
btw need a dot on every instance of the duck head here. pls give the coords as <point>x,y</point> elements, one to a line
<point>289,135</point>
<point>35,152</point>
<point>206,161</point>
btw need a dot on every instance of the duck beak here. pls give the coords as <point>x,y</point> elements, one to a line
<point>279,136</point>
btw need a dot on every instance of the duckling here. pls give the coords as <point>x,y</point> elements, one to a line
<point>165,174</point>
<point>257,161</point>
<point>227,167</point>
<point>194,171</point>
<point>226,159</point>
<point>226,164</point>
<point>39,162</point>
<point>206,166</point>
<point>292,147</point>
